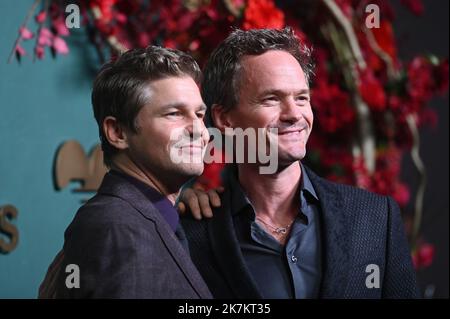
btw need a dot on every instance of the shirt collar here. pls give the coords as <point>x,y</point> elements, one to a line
<point>240,200</point>
<point>164,206</point>
<point>306,185</point>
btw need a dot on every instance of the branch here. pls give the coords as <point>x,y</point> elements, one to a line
<point>415,155</point>
<point>38,33</point>
<point>24,24</point>
<point>112,40</point>
<point>365,127</point>
<point>232,8</point>
<point>348,30</point>
<point>392,73</point>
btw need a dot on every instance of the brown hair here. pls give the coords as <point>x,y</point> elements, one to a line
<point>119,87</point>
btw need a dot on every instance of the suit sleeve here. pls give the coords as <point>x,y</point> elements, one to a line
<point>400,277</point>
<point>107,261</point>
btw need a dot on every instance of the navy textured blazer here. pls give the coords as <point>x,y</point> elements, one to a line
<point>358,228</point>
<point>125,249</point>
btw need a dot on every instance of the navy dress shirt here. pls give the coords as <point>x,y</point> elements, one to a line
<point>290,271</point>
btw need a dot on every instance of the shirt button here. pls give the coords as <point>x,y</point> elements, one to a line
<point>294,259</point>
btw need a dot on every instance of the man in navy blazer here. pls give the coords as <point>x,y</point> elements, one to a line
<point>126,241</point>
<point>287,233</point>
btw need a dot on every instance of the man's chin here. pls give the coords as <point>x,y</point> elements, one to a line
<point>285,160</point>
<point>191,169</point>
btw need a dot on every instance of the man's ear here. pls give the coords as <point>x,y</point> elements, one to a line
<point>115,133</point>
<point>220,117</point>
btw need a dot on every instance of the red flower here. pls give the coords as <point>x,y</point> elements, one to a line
<point>415,6</point>
<point>441,76</point>
<point>362,176</point>
<point>262,14</point>
<point>143,39</point>
<point>419,76</point>
<point>428,117</point>
<point>401,194</point>
<point>423,256</point>
<point>372,92</point>
<point>294,25</point>
<point>332,107</point>
<point>384,36</point>
<point>212,177</point>
<point>106,8</point>
<point>346,7</point>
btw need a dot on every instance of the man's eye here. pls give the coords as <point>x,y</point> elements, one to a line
<point>303,98</point>
<point>271,99</point>
<point>201,115</point>
<point>174,114</point>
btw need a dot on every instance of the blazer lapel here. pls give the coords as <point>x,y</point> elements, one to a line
<point>120,187</point>
<point>182,258</point>
<point>335,239</point>
<point>228,254</point>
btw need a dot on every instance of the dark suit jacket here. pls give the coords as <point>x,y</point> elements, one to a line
<point>125,249</point>
<point>358,228</point>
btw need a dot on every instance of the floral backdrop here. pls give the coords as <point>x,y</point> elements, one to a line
<point>369,104</point>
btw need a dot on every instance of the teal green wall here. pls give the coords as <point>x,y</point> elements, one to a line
<point>42,104</point>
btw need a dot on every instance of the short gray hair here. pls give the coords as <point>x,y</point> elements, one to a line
<point>221,74</point>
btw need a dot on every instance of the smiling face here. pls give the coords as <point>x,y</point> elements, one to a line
<point>175,107</point>
<point>274,93</point>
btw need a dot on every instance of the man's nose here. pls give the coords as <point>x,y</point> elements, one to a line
<point>290,111</point>
<point>195,128</point>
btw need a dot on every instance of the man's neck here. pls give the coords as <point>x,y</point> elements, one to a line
<point>274,196</point>
<point>127,166</point>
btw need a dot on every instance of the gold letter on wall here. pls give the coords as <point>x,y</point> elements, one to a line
<point>8,229</point>
<point>72,164</point>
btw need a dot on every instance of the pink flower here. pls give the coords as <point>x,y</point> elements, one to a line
<point>60,45</point>
<point>25,33</point>
<point>40,18</point>
<point>45,37</point>
<point>40,52</point>
<point>60,27</point>
<point>19,50</point>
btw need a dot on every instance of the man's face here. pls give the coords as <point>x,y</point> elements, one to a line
<point>274,93</point>
<point>175,108</point>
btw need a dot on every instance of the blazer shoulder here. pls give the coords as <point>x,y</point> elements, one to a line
<point>105,210</point>
<point>193,227</point>
<point>347,191</point>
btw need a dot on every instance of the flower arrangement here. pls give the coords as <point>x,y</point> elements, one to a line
<point>369,104</point>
